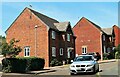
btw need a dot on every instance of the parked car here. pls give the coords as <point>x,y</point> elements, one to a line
<point>83,64</point>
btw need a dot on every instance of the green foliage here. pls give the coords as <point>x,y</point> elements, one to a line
<point>55,62</point>
<point>116,55</point>
<point>21,65</point>
<point>2,40</point>
<point>117,52</point>
<point>105,56</point>
<point>11,49</point>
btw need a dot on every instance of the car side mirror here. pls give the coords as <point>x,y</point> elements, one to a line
<point>71,61</point>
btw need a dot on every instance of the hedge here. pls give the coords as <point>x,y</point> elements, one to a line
<point>22,65</point>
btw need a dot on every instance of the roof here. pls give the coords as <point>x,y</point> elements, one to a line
<point>47,20</point>
<point>62,26</point>
<point>98,27</point>
<point>108,31</point>
<point>94,24</point>
<point>50,22</point>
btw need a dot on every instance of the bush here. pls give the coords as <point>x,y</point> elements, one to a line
<point>55,62</point>
<point>117,52</point>
<point>37,64</point>
<point>111,55</point>
<point>105,56</point>
<point>116,55</point>
<point>22,64</point>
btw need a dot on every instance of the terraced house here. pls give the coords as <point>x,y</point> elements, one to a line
<point>92,38</point>
<point>42,36</point>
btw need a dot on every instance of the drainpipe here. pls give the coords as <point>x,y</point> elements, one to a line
<point>101,45</point>
<point>36,40</point>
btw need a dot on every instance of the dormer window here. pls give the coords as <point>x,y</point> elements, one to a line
<point>53,34</point>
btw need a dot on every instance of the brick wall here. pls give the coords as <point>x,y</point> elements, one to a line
<point>23,29</point>
<point>117,35</point>
<point>87,35</point>
<point>61,42</point>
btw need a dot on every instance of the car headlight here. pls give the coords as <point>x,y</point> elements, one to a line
<point>72,66</point>
<point>90,65</point>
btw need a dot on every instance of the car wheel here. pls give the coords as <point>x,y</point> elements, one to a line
<point>94,69</point>
<point>71,73</point>
<point>98,69</point>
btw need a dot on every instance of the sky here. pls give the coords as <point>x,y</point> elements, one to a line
<point>104,14</point>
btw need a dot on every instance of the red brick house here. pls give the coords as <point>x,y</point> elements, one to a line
<point>42,36</point>
<point>116,30</point>
<point>92,38</point>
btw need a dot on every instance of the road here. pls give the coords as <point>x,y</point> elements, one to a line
<point>110,68</point>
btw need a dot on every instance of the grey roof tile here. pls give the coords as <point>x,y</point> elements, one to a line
<point>62,26</point>
<point>47,20</point>
<point>108,31</point>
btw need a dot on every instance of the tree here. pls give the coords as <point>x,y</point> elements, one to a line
<point>2,40</point>
<point>10,49</point>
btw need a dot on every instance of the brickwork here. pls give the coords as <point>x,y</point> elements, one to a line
<point>87,35</point>
<point>33,32</point>
<point>23,29</point>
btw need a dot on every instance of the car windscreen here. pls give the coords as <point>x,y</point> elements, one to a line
<point>84,58</point>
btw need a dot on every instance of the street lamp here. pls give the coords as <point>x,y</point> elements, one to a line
<point>36,40</point>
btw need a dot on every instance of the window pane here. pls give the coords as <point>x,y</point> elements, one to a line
<point>82,50</point>
<point>85,50</point>
<point>53,34</point>
<point>61,51</point>
<point>68,37</point>
<point>27,53</point>
<point>54,51</point>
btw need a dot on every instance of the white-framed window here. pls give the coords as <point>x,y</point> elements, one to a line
<point>104,49</point>
<point>69,52</point>
<point>53,51</point>
<point>27,51</point>
<point>84,49</point>
<point>103,37</point>
<point>53,34</point>
<point>61,51</point>
<point>68,37</point>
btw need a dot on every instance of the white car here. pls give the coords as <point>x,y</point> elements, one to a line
<point>83,64</point>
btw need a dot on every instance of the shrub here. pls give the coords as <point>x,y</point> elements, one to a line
<point>22,64</point>
<point>117,52</point>
<point>37,64</point>
<point>116,55</point>
<point>55,62</point>
<point>105,56</point>
<point>111,55</point>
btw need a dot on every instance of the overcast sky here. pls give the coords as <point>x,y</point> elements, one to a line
<point>104,14</point>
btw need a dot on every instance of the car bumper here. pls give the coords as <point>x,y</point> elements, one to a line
<point>81,70</point>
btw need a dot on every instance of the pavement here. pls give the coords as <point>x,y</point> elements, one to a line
<point>107,61</point>
<point>53,69</point>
